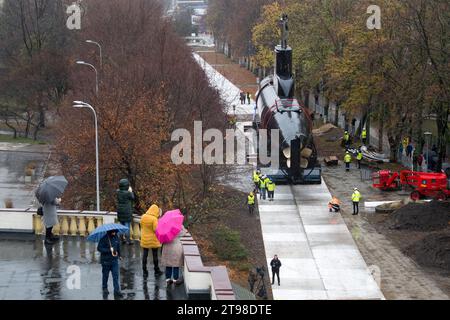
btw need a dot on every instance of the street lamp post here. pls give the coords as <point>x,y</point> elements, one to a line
<point>100,47</point>
<point>81,104</point>
<point>428,141</point>
<point>96,73</point>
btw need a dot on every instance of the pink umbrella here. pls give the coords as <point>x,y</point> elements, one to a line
<point>169,226</point>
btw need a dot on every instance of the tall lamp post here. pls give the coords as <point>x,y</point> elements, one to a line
<point>100,47</point>
<point>81,104</point>
<point>428,141</point>
<point>96,73</point>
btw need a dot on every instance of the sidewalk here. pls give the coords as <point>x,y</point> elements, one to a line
<point>320,260</point>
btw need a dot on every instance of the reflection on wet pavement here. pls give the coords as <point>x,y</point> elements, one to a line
<point>30,270</point>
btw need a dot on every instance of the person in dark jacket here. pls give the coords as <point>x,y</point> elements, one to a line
<point>125,198</point>
<point>242,97</point>
<point>109,248</point>
<point>275,264</point>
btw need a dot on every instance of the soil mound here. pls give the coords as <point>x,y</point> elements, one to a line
<point>432,251</point>
<point>323,129</point>
<point>389,207</point>
<point>434,215</point>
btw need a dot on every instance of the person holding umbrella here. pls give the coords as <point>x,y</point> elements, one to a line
<point>49,194</point>
<point>109,248</point>
<point>169,232</point>
<point>173,258</point>
<point>149,222</point>
<point>107,236</point>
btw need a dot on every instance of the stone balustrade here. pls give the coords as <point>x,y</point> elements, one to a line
<point>82,223</point>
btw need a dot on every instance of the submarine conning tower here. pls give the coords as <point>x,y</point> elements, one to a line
<point>283,78</point>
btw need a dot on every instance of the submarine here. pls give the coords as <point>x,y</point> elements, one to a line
<point>277,108</point>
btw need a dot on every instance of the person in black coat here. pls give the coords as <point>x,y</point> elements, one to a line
<point>125,198</point>
<point>275,264</point>
<point>109,248</point>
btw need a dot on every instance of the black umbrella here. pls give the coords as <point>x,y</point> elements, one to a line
<point>50,189</point>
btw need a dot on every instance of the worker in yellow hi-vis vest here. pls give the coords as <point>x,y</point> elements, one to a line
<point>346,139</point>
<point>359,157</point>
<point>364,136</point>
<point>356,198</point>
<point>251,202</point>
<point>347,161</point>
<point>256,178</point>
<point>262,187</point>
<point>270,189</point>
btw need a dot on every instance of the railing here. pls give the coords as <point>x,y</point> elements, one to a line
<point>199,280</point>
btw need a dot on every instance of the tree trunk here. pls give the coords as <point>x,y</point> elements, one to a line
<point>42,117</point>
<point>380,136</point>
<point>336,115</point>
<point>442,126</point>
<point>326,111</point>
<point>11,127</point>
<point>35,132</point>
<point>306,98</point>
<point>28,126</point>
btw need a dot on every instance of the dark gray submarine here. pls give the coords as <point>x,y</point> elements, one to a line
<point>277,108</point>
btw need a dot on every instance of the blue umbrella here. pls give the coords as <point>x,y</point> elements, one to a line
<point>101,231</point>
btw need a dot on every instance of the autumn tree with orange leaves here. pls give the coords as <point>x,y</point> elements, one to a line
<point>150,85</point>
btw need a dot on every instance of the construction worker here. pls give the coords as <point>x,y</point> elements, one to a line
<point>364,136</point>
<point>356,198</point>
<point>262,187</point>
<point>334,204</point>
<point>251,203</point>
<point>347,161</point>
<point>346,139</point>
<point>256,178</point>
<point>270,189</point>
<point>359,157</point>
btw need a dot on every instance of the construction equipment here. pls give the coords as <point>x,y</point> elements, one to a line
<point>424,184</point>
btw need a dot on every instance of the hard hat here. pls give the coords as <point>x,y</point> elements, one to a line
<point>251,193</point>
<point>347,152</point>
<point>355,189</point>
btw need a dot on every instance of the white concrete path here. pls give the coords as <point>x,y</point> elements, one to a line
<point>319,258</point>
<point>228,91</point>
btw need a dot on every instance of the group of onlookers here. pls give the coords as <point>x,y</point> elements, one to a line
<point>171,254</point>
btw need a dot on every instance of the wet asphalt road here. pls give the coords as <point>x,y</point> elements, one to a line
<point>30,270</point>
<point>14,159</point>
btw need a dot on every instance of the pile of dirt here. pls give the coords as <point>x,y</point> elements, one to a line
<point>323,129</point>
<point>389,207</point>
<point>432,251</point>
<point>434,215</point>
